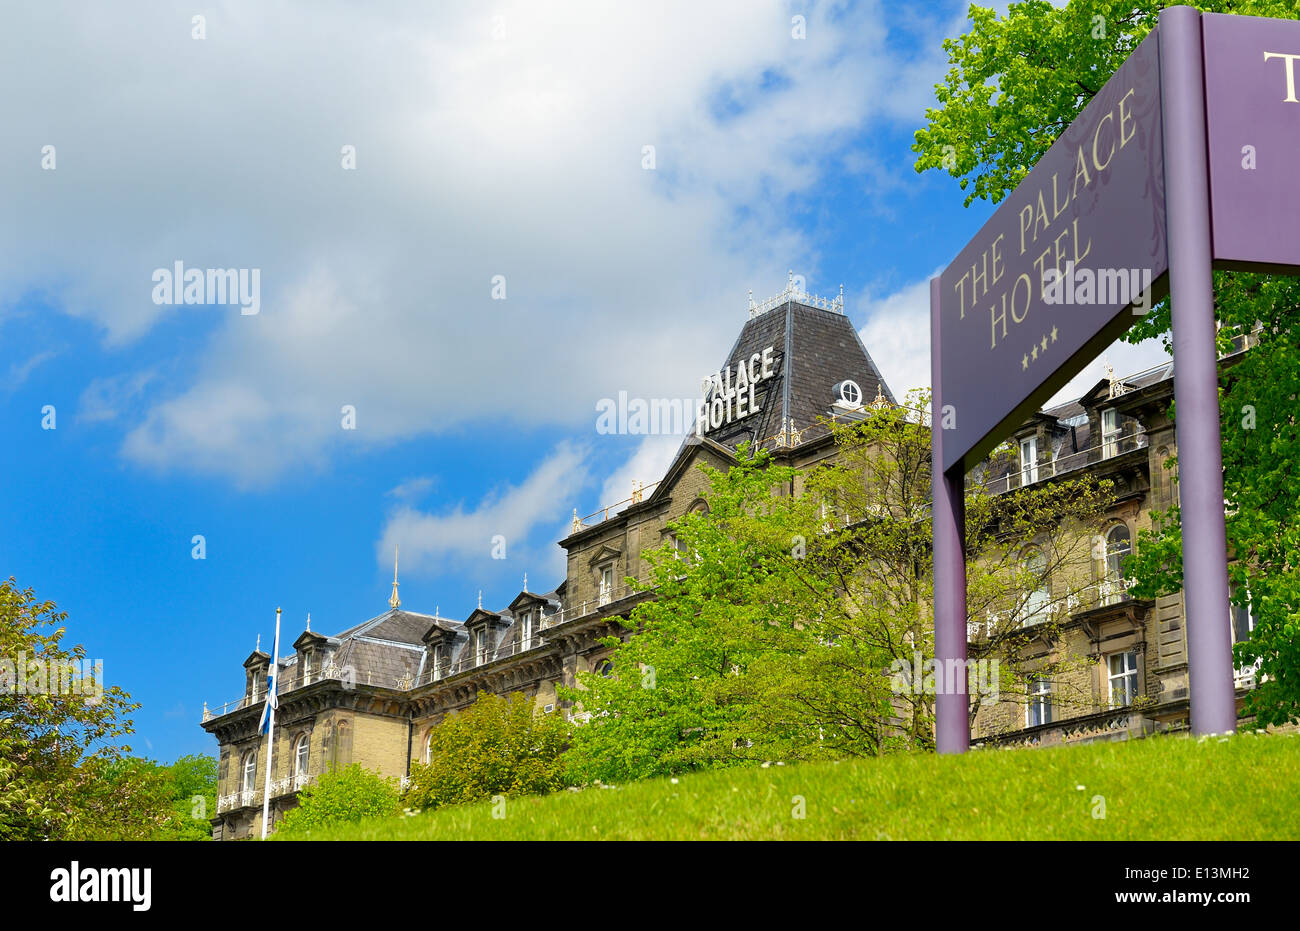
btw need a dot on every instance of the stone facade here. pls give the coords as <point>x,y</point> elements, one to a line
<point>372,694</point>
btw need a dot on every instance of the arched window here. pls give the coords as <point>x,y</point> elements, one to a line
<point>1118,547</point>
<point>301,755</point>
<point>428,747</point>
<point>604,668</point>
<point>1040,593</point>
<point>249,783</point>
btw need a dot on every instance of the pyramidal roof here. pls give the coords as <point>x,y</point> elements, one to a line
<point>810,347</point>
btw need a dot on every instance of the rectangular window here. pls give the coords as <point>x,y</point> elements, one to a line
<point>1040,703</point>
<point>1029,460</point>
<point>1109,432</point>
<point>306,669</point>
<point>526,630</point>
<point>1243,622</point>
<point>606,584</point>
<point>1123,678</point>
<point>480,646</point>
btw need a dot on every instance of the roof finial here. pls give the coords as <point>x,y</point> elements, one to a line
<point>437,612</point>
<point>394,601</point>
<point>258,648</point>
<point>525,581</point>
<point>308,622</point>
<point>480,599</point>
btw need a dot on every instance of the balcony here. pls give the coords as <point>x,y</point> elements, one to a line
<point>1111,448</point>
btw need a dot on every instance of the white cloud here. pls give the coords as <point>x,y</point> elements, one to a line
<point>105,399</point>
<point>475,157</point>
<point>455,536</point>
<point>647,465</point>
<point>20,371</point>
<point>897,334</point>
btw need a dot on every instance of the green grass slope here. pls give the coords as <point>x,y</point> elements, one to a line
<point>1169,788</point>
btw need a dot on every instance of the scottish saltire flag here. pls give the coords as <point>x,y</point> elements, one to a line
<point>272,673</point>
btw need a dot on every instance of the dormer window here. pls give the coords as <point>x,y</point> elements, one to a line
<point>1109,432</point>
<point>1029,460</point>
<point>438,664</point>
<point>526,630</point>
<point>306,669</point>
<point>480,646</point>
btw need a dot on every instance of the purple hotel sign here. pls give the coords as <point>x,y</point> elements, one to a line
<point>1092,211</point>
<point>1252,103</point>
<point>1186,160</point>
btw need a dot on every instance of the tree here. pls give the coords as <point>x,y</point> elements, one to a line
<point>1014,83</point>
<point>338,797</point>
<point>794,620</point>
<point>500,745</point>
<point>62,764</point>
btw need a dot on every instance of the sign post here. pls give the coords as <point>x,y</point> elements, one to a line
<point>1196,374</point>
<point>1184,160</point>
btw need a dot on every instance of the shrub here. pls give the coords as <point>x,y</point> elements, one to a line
<point>497,746</point>
<point>348,794</point>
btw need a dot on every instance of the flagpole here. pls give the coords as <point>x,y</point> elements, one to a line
<point>271,695</point>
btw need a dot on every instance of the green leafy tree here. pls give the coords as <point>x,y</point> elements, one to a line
<point>782,621</point>
<point>340,796</point>
<point>499,745</point>
<point>63,768</point>
<point>1014,83</point>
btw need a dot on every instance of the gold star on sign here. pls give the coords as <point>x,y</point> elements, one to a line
<point>1044,344</point>
<point>1024,362</point>
<point>1053,334</point>
<point>1035,353</point>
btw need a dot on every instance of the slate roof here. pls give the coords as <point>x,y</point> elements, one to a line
<point>814,350</point>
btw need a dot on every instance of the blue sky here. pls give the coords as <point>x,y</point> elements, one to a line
<point>484,146</point>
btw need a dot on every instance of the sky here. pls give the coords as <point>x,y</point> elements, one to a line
<point>467,224</point>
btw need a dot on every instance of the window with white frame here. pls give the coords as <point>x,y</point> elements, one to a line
<point>1242,620</point>
<point>1029,460</point>
<point>525,630</point>
<point>301,754</point>
<point>1119,544</point>
<point>606,583</point>
<point>428,747</point>
<point>306,669</point>
<point>1122,677</point>
<point>1109,432</point>
<point>1040,702</point>
<point>1038,602</point>
<point>438,664</point>
<point>249,785</point>
<point>480,646</point>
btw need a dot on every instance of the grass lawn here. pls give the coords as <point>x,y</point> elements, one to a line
<point>1168,788</point>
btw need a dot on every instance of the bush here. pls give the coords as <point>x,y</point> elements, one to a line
<point>342,795</point>
<point>497,746</point>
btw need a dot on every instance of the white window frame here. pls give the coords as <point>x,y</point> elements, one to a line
<point>1038,605</point>
<point>606,583</point>
<point>437,662</point>
<point>306,669</point>
<point>526,630</point>
<point>301,760</point>
<point>1110,431</point>
<point>1040,702</point>
<point>1114,587</point>
<point>428,746</point>
<point>480,646</point>
<point>1243,676</point>
<point>1128,671</point>
<point>1029,460</point>
<point>248,779</point>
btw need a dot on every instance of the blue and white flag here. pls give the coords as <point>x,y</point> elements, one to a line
<point>272,673</point>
